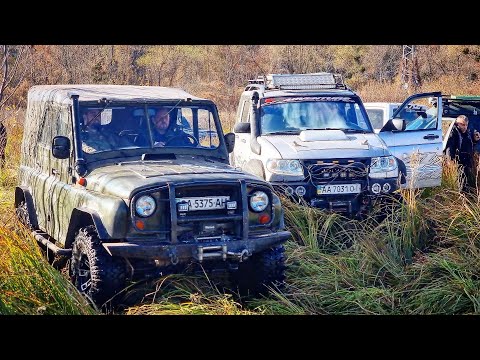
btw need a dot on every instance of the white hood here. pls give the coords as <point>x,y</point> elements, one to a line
<point>314,144</point>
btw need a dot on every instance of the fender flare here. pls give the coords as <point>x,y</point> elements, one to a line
<point>23,193</point>
<point>82,217</point>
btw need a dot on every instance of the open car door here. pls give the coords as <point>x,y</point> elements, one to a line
<point>414,136</point>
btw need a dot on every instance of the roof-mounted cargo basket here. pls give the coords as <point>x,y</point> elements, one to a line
<point>313,81</point>
<point>259,80</point>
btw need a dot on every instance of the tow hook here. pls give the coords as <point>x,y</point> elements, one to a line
<point>242,256</point>
<point>173,258</point>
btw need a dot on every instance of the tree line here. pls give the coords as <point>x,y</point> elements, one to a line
<point>220,71</point>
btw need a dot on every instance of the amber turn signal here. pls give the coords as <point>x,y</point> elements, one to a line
<point>140,224</point>
<point>264,218</point>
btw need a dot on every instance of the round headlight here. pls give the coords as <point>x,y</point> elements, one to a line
<point>145,206</point>
<point>258,201</point>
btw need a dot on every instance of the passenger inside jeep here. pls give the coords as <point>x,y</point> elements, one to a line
<point>98,133</point>
<point>123,127</point>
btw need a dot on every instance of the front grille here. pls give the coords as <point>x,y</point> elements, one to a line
<point>342,170</point>
<point>205,226</point>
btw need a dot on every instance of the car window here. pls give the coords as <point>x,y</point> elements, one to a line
<point>207,131</point>
<point>376,117</point>
<point>246,111</point>
<point>425,120</point>
<point>419,115</point>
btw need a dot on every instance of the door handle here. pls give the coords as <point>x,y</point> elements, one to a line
<point>431,137</point>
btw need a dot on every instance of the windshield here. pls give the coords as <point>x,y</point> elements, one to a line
<point>115,127</point>
<point>292,115</point>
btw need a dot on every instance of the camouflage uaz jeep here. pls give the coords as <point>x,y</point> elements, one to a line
<point>114,204</point>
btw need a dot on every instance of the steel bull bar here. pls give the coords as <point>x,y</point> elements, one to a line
<point>238,250</point>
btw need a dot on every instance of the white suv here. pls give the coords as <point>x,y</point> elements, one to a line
<point>310,136</point>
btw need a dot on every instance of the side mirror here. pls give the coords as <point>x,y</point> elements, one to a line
<point>242,127</point>
<point>61,147</point>
<point>394,125</point>
<point>230,141</point>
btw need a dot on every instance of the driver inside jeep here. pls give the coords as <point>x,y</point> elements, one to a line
<point>96,137</point>
<point>164,131</point>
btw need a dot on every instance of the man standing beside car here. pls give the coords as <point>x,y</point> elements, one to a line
<point>460,148</point>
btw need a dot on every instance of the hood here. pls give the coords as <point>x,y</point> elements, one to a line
<point>124,178</point>
<point>315,144</point>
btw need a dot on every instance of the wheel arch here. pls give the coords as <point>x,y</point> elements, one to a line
<point>80,218</point>
<point>22,193</point>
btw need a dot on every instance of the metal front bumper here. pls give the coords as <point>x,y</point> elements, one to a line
<point>181,252</point>
<point>289,189</point>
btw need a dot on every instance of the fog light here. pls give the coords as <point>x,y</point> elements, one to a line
<point>386,187</point>
<point>343,174</point>
<point>289,190</point>
<point>300,190</point>
<point>376,188</point>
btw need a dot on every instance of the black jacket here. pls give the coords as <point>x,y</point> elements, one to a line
<point>460,147</point>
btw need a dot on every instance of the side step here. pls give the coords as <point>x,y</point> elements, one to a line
<point>41,238</point>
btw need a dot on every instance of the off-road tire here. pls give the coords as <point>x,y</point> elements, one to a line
<point>22,215</point>
<point>263,270</point>
<point>96,274</point>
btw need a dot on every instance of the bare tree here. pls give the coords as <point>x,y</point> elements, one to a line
<point>13,71</point>
<point>14,68</point>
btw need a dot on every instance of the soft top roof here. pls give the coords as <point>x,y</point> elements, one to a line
<point>61,93</point>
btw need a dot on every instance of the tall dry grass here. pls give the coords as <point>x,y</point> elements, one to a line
<point>28,284</point>
<point>13,121</point>
<point>423,258</point>
<point>181,294</point>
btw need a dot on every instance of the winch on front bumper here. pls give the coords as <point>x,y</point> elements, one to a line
<point>172,254</point>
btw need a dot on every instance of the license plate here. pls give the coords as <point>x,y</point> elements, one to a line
<point>339,189</point>
<point>202,203</point>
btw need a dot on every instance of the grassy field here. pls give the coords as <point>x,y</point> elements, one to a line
<point>423,258</point>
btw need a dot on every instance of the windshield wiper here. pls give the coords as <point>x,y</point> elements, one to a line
<point>327,128</point>
<point>356,131</point>
<point>283,132</point>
